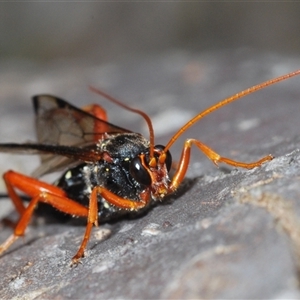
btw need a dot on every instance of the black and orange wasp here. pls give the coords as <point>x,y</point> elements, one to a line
<point>108,170</point>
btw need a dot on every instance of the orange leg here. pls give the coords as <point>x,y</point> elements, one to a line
<point>93,212</point>
<point>124,203</point>
<point>40,192</point>
<point>213,156</point>
<point>96,110</point>
<point>46,193</point>
<point>91,220</point>
<point>100,113</point>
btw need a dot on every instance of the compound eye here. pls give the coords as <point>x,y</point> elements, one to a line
<point>139,172</point>
<point>168,161</point>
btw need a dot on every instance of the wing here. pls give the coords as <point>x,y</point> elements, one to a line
<point>65,135</point>
<point>60,123</point>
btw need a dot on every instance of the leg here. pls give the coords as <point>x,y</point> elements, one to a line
<point>29,186</point>
<point>100,113</point>
<point>91,220</point>
<point>93,212</point>
<point>40,192</point>
<point>213,156</point>
<point>96,110</point>
<point>124,203</point>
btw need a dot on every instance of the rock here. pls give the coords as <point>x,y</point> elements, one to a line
<point>227,233</point>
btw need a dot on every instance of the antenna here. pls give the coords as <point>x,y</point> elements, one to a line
<point>225,102</point>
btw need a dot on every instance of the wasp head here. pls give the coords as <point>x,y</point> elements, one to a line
<point>153,171</point>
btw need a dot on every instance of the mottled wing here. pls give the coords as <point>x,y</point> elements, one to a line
<point>60,123</point>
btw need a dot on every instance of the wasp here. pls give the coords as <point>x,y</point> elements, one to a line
<point>109,171</point>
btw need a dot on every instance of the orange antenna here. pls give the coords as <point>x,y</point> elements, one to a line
<point>141,113</point>
<point>227,101</point>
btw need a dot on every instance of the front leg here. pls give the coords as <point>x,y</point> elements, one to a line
<point>92,219</point>
<point>212,155</point>
<point>93,212</point>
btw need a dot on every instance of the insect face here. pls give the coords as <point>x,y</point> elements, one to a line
<point>153,171</point>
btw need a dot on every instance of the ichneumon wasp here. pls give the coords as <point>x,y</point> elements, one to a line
<point>108,170</point>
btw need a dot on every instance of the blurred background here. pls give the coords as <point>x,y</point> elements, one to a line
<point>109,31</point>
<point>171,59</point>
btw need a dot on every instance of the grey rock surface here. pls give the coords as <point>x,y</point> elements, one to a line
<point>227,233</point>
